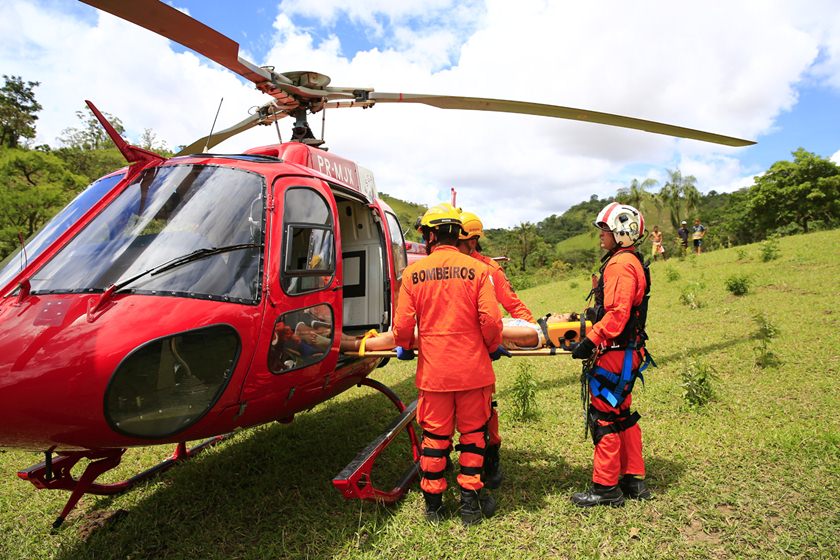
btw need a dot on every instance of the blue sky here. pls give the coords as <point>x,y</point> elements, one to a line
<point>768,71</point>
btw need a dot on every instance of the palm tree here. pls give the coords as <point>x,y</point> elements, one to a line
<point>636,194</point>
<point>679,195</point>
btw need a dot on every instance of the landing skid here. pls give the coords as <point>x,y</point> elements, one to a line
<point>355,481</point>
<point>55,473</point>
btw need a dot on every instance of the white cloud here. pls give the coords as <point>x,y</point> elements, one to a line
<point>724,66</point>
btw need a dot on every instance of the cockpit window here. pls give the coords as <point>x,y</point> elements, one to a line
<point>308,242</point>
<point>187,230</point>
<point>62,221</point>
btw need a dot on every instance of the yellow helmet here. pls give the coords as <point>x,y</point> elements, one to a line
<point>471,226</point>
<point>440,215</point>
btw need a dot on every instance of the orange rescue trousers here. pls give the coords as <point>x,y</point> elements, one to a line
<point>493,436</point>
<point>439,414</point>
<point>619,453</point>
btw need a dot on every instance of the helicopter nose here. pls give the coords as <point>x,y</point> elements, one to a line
<point>165,385</point>
<point>131,375</point>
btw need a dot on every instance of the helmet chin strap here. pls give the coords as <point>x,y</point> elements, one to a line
<point>427,238</point>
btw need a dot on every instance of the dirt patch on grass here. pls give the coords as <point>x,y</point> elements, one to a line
<point>94,520</point>
<point>694,533</point>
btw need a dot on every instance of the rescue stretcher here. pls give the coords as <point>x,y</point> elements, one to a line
<point>557,338</point>
<point>356,480</point>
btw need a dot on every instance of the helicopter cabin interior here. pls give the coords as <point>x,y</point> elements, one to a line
<point>365,269</point>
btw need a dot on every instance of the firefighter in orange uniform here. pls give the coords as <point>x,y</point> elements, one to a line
<point>449,297</point>
<point>614,357</point>
<point>469,244</point>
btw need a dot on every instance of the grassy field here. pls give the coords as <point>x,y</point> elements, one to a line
<point>755,473</point>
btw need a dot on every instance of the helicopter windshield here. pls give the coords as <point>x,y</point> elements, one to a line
<point>16,261</point>
<point>166,213</point>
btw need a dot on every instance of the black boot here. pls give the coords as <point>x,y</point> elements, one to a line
<point>599,495</point>
<point>476,505</point>
<point>634,487</point>
<point>492,476</point>
<point>434,507</point>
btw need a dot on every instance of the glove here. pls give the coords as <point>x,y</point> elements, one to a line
<point>584,349</point>
<point>499,352</point>
<point>403,354</point>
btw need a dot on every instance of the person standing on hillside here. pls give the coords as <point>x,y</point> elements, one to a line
<point>656,240</point>
<point>698,235</point>
<point>448,296</point>
<point>472,230</point>
<point>614,357</point>
<point>682,233</point>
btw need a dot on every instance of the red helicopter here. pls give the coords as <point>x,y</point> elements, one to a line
<point>180,299</point>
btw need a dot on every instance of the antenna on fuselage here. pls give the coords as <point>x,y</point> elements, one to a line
<point>209,136</point>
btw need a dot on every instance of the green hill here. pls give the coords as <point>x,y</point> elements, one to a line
<point>407,213</point>
<point>581,249</point>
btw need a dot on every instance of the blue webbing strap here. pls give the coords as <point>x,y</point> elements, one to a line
<point>619,382</point>
<point>600,391</point>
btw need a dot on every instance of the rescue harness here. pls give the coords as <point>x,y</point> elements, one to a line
<point>610,386</point>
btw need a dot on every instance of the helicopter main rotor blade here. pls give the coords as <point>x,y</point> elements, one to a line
<point>540,109</point>
<point>181,28</point>
<point>207,142</point>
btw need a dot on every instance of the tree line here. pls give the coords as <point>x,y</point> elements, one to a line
<point>36,181</point>
<point>792,196</point>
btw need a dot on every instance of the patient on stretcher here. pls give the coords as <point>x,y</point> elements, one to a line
<point>517,334</point>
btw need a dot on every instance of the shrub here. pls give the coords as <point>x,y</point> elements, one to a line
<point>690,295</point>
<point>767,331</point>
<point>770,249</point>
<point>742,254</point>
<point>738,284</point>
<point>698,381</point>
<point>573,285</point>
<point>671,274</point>
<point>525,393</point>
<point>559,268</point>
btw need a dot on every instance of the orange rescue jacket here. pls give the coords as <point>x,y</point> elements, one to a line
<point>624,288</point>
<point>448,295</point>
<point>504,291</point>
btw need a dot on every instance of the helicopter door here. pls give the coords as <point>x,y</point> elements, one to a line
<point>398,255</point>
<point>301,330</point>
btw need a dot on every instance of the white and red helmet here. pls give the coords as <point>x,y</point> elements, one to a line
<point>625,222</point>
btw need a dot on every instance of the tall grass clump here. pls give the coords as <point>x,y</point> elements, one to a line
<point>764,336</point>
<point>738,284</point>
<point>525,393</point>
<point>742,254</point>
<point>769,250</point>
<point>690,295</point>
<point>671,274</point>
<point>697,381</point>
